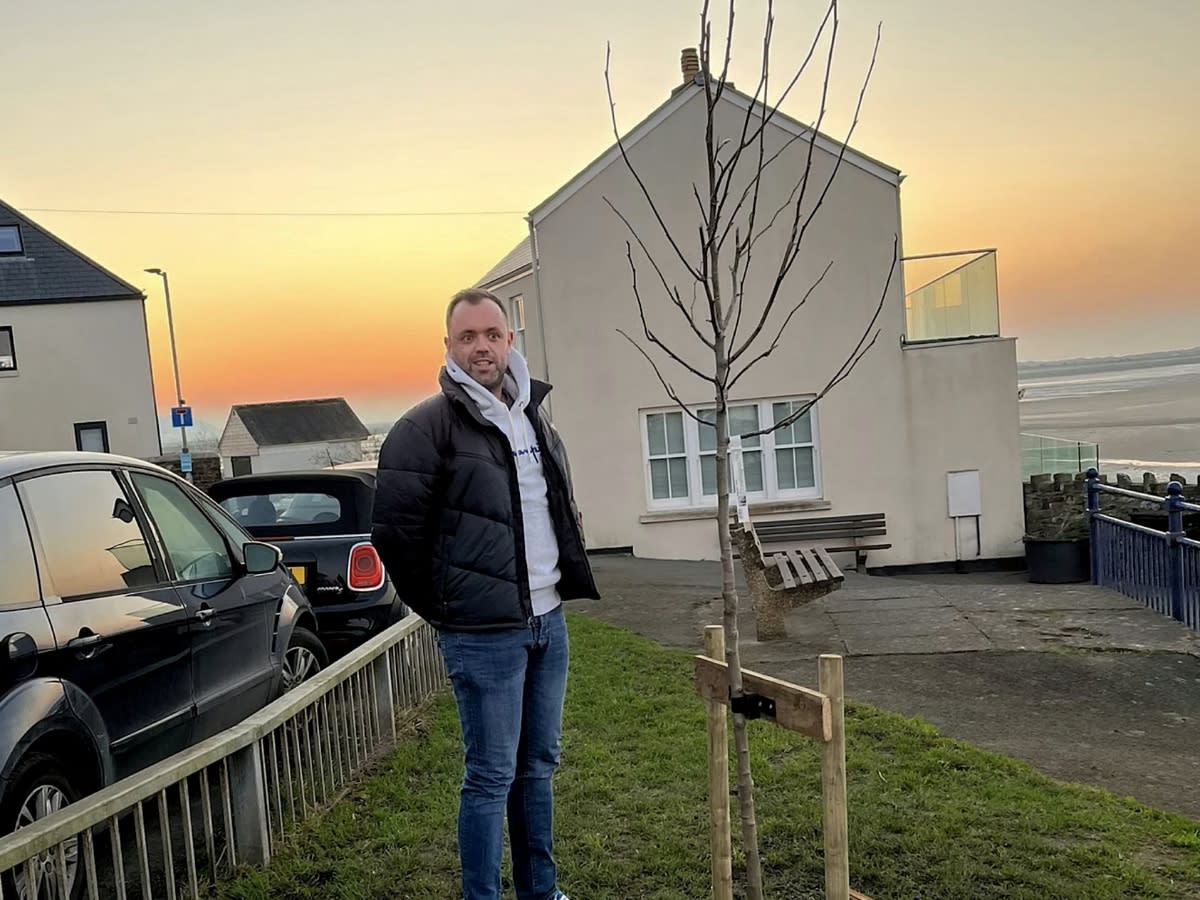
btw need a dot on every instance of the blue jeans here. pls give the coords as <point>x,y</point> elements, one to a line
<point>510,687</point>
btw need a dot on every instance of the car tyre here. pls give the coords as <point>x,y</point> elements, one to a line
<point>37,788</point>
<point>305,657</point>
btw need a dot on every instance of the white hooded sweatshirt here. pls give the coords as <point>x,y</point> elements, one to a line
<point>541,542</point>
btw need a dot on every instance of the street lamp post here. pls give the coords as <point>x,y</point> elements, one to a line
<point>174,356</point>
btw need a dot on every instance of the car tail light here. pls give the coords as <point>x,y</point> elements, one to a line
<point>366,568</point>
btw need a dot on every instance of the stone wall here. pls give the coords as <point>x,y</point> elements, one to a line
<point>1056,505</point>
<point>206,468</point>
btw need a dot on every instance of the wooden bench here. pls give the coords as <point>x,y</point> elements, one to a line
<point>780,580</point>
<point>846,533</point>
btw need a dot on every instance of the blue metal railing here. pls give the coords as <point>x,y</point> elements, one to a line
<point>1158,568</point>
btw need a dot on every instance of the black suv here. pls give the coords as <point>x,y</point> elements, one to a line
<point>136,618</point>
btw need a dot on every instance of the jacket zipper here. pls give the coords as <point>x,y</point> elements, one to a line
<point>514,498</point>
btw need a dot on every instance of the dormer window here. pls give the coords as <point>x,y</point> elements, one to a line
<point>10,241</point>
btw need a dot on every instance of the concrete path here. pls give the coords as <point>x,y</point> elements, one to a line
<point>1079,681</point>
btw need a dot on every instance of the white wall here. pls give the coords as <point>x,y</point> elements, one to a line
<point>963,412</point>
<point>868,456</point>
<point>298,457</point>
<point>235,439</point>
<point>78,362</point>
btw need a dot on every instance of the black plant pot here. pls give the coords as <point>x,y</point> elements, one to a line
<point>1065,561</point>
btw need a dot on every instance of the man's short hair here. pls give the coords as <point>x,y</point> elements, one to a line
<point>474,296</point>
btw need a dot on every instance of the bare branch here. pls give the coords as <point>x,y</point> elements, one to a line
<point>673,293</point>
<point>795,240</point>
<point>792,248</point>
<point>650,335</point>
<point>865,343</point>
<point>775,343</point>
<point>771,110</point>
<point>700,205</point>
<point>612,106</point>
<point>725,182</point>
<point>663,381</point>
<point>728,55</point>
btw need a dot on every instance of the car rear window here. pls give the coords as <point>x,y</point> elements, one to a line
<point>19,582</point>
<point>268,510</point>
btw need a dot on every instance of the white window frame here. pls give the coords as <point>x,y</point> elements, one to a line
<point>689,445</point>
<point>696,498</point>
<point>516,318</point>
<point>11,356</point>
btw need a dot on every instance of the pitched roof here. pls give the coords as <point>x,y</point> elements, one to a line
<point>52,271</point>
<point>301,422</point>
<point>678,99</point>
<point>514,263</point>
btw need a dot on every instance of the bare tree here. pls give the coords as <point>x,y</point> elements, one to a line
<point>740,322</point>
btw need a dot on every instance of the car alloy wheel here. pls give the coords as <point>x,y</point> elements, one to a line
<point>299,665</point>
<point>53,872</point>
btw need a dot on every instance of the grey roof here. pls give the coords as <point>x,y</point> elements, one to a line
<point>518,258</point>
<point>301,422</point>
<point>51,271</point>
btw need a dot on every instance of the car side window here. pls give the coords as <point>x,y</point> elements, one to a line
<point>193,544</point>
<point>19,584</point>
<point>233,532</point>
<point>90,539</point>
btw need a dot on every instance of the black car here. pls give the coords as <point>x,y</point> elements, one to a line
<point>321,520</point>
<point>136,618</point>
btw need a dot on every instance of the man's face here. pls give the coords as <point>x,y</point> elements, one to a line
<point>479,341</point>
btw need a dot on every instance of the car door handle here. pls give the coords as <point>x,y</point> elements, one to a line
<point>87,646</point>
<point>205,614</point>
<point>85,641</point>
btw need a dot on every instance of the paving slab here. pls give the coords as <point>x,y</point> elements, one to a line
<point>835,603</point>
<point>962,640</point>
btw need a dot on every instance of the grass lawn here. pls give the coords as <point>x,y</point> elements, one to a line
<point>929,816</point>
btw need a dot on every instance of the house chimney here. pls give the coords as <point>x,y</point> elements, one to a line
<point>690,63</point>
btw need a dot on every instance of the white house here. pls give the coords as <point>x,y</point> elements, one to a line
<point>74,349</point>
<point>933,404</point>
<point>290,435</point>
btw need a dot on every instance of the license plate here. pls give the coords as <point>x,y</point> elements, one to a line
<point>300,573</point>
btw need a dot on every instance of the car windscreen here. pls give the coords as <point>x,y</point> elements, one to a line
<point>277,510</point>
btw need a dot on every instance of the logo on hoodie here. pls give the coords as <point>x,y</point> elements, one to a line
<point>532,451</point>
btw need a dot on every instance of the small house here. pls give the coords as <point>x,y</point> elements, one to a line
<point>290,435</point>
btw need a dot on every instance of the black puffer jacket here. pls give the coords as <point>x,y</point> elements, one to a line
<point>447,517</point>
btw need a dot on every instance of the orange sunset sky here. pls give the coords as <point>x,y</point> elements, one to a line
<point>1064,133</point>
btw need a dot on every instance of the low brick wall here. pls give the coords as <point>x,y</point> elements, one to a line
<point>206,468</point>
<point>1056,505</point>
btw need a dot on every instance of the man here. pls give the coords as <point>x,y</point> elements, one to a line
<point>475,521</point>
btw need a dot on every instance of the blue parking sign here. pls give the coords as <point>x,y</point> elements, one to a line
<point>181,416</point>
<point>185,462</point>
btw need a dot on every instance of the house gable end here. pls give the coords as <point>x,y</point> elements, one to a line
<point>51,270</point>
<point>236,440</point>
<point>677,102</point>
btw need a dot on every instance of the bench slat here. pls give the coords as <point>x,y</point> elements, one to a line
<point>811,559</point>
<point>802,570</point>
<point>857,547</point>
<point>825,532</point>
<point>830,566</point>
<point>785,570</point>
<point>857,517</point>
<point>818,533</point>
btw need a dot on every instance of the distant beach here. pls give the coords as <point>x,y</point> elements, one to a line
<point>1143,411</point>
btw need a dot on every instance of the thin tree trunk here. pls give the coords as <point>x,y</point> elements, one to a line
<point>733,657</point>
